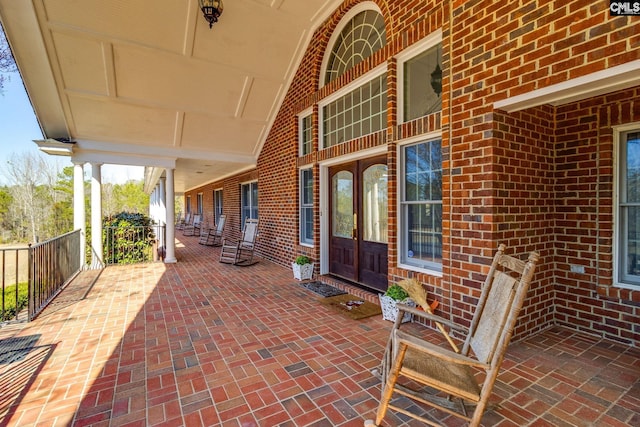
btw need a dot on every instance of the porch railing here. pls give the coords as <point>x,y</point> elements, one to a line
<point>14,278</point>
<point>52,264</point>
<point>32,276</point>
<point>132,245</point>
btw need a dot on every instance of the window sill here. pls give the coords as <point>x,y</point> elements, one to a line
<point>417,269</point>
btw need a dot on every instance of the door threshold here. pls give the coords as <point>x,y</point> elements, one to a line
<point>356,289</point>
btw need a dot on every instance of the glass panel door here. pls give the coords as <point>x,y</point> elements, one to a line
<point>374,204</point>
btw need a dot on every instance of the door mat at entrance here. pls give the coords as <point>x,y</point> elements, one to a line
<point>352,306</point>
<point>322,289</point>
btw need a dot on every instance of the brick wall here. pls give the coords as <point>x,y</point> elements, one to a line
<point>508,178</point>
<point>584,217</point>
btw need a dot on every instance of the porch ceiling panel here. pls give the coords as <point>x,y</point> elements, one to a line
<point>201,131</point>
<point>168,80</point>
<point>161,25</point>
<point>258,45</point>
<point>100,120</point>
<point>155,79</point>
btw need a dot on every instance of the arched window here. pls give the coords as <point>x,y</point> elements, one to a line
<point>360,38</point>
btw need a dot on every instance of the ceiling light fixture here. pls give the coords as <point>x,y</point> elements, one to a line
<point>212,9</point>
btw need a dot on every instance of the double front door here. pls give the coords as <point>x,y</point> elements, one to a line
<point>358,222</point>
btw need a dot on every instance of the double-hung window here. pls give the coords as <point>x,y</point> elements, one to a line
<point>306,206</point>
<point>217,205</point>
<point>628,215</point>
<point>421,205</point>
<point>305,128</point>
<point>188,203</point>
<point>249,202</point>
<point>199,204</point>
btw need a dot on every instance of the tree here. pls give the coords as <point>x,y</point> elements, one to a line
<point>7,63</point>
<point>130,197</point>
<point>5,220</point>
<point>37,209</point>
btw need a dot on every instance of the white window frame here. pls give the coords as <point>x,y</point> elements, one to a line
<point>360,7</point>
<point>308,113</point>
<point>218,195</point>
<point>254,203</point>
<point>400,184</point>
<point>618,239</point>
<point>188,203</point>
<point>303,206</point>
<point>199,204</point>
<point>409,53</point>
<point>366,78</point>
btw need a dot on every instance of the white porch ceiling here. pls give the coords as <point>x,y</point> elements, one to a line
<point>143,83</point>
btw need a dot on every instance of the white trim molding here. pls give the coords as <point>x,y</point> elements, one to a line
<point>594,84</point>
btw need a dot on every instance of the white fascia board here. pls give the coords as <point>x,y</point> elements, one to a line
<point>594,84</point>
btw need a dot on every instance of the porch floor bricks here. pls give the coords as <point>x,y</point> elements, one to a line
<point>203,343</point>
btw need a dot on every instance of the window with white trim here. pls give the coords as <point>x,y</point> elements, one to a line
<point>188,204</point>
<point>421,205</point>
<point>199,204</point>
<point>306,206</point>
<point>359,38</point>
<point>628,215</point>
<point>305,129</point>
<point>360,112</point>
<point>249,200</point>
<point>422,84</point>
<point>217,205</point>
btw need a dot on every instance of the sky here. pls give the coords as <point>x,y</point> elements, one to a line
<point>19,127</point>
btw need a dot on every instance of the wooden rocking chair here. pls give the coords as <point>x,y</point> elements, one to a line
<point>241,252</point>
<point>184,221</point>
<point>213,236</point>
<point>446,379</point>
<point>190,229</point>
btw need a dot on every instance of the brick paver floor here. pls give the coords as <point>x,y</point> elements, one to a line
<point>203,343</point>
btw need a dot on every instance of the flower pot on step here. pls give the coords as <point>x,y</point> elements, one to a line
<point>302,272</point>
<point>390,310</point>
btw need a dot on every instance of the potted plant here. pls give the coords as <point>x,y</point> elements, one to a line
<point>395,293</point>
<point>302,268</point>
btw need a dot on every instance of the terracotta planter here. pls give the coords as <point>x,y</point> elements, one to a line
<point>302,272</point>
<point>390,310</point>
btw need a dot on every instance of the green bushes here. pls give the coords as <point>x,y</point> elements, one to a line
<point>11,306</point>
<point>128,238</point>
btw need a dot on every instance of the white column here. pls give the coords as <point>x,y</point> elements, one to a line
<point>79,214</point>
<point>162,207</point>
<point>96,215</point>
<point>170,256</point>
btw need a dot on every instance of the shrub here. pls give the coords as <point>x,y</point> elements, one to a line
<point>128,238</point>
<point>11,306</point>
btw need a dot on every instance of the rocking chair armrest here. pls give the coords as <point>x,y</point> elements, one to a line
<point>430,316</point>
<point>438,352</point>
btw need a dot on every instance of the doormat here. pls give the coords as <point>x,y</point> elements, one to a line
<point>322,289</point>
<point>352,306</point>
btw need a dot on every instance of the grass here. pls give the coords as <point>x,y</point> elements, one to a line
<point>11,306</point>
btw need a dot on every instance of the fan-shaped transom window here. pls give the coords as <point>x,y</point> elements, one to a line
<point>359,39</point>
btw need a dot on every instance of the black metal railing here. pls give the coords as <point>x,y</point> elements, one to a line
<point>132,245</point>
<point>14,275</point>
<point>52,264</point>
